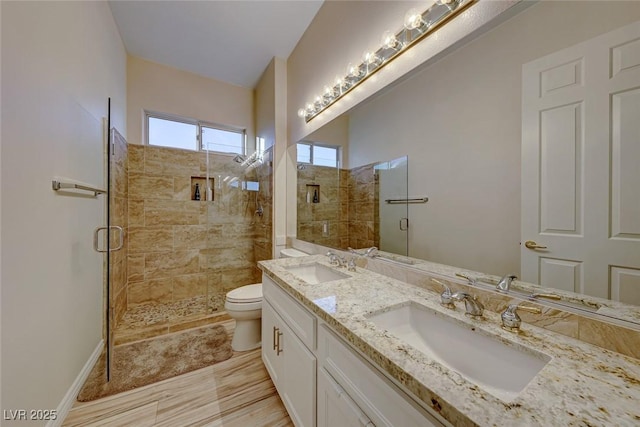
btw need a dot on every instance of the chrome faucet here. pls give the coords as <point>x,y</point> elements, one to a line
<point>446,299</point>
<point>471,304</point>
<point>505,283</point>
<point>510,319</point>
<point>337,260</point>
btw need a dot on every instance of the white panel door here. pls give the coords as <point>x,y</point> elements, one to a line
<point>581,167</point>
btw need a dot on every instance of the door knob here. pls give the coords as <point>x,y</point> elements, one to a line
<point>530,244</point>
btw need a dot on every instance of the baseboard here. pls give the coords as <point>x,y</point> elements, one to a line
<point>67,402</point>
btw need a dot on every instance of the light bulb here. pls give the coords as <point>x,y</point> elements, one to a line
<point>328,94</point>
<point>352,70</point>
<point>318,101</point>
<point>389,40</point>
<point>412,19</point>
<point>301,113</point>
<point>370,58</point>
<point>310,109</point>
<point>338,81</point>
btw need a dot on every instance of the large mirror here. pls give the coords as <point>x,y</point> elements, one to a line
<point>360,208</point>
<point>527,134</point>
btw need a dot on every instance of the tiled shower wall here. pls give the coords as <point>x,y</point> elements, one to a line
<point>118,216</point>
<point>364,211</point>
<point>332,207</point>
<point>180,248</point>
<point>348,203</point>
<point>263,225</point>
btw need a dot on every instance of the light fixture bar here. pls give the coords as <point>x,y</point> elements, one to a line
<point>416,27</point>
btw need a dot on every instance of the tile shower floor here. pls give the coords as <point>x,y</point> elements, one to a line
<point>149,320</point>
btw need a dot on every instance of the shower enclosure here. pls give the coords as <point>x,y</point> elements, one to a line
<point>183,249</point>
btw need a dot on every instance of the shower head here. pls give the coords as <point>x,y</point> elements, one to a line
<point>239,158</point>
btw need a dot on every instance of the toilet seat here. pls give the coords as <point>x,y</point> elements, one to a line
<point>246,294</point>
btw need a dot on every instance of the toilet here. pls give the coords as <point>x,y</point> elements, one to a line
<point>244,305</point>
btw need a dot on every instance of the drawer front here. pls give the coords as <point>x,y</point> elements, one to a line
<point>381,400</point>
<point>298,318</point>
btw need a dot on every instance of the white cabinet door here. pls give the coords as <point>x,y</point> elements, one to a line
<point>271,325</point>
<point>580,175</point>
<point>291,365</point>
<point>335,407</point>
<point>299,378</point>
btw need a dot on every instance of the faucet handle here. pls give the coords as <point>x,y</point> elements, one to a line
<point>446,296</point>
<point>351,266</point>
<point>510,319</point>
<point>505,283</point>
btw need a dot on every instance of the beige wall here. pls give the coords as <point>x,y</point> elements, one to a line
<point>265,104</point>
<point>163,89</point>
<point>271,116</point>
<point>60,62</point>
<point>459,121</point>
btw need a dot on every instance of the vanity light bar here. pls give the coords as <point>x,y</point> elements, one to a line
<point>416,27</point>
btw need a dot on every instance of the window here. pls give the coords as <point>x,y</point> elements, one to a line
<point>318,154</point>
<point>222,140</point>
<point>167,131</point>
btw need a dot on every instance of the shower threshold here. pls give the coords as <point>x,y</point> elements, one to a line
<point>151,320</point>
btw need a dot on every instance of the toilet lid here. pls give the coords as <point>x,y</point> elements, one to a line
<point>249,293</point>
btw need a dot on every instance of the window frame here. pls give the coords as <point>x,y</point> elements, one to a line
<point>338,149</point>
<point>199,125</point>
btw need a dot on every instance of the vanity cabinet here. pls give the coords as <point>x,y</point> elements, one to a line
<point>291,365</point>
<point>322,380</point>
<point>379,400</point>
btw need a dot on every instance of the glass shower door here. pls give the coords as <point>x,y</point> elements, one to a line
<point>116,271</point>
<point>392,183</point>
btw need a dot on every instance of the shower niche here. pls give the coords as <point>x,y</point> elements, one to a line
<point>199,189</point>
<point>313,193</point>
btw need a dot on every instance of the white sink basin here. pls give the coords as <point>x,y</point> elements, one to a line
<point>501,369</point>
<point>316,273</point>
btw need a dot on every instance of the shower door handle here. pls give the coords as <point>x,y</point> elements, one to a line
<point>120,237</point>
<point>404,224</point>
<point>96,234</point>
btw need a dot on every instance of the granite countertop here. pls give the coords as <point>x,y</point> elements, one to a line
<point>581,385</point>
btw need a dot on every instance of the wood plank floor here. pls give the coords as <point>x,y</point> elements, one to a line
<point>236,392</point>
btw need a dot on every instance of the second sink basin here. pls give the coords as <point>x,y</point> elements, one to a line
<point>316,273</point>
<point>501,369</point>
